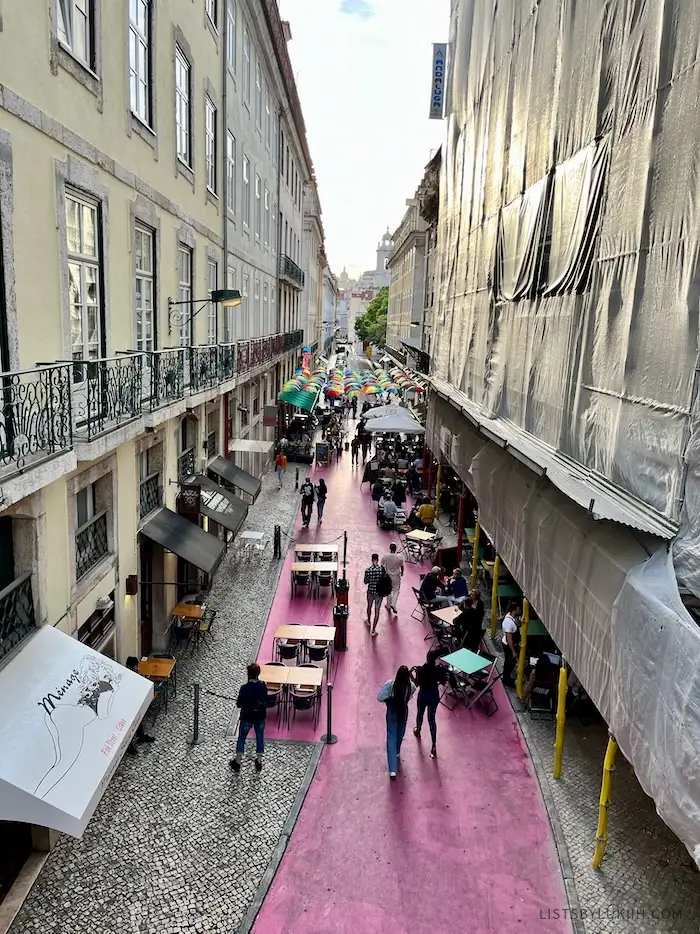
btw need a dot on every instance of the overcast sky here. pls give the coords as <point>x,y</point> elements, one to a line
<point>363,72</point>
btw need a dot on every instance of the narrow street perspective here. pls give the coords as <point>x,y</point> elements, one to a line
<point>349,467</point>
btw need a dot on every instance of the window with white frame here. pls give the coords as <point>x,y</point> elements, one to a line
<point>266,309</point>
<point>84,505</point>
<point>229,331</point>
<point>246,66</point>
<point>210,143</point>
<point>84,276</point>
<point>231,172</point>
<point>210,7</point>
<point>273,308</point>
<point>245,308</point>
<point>140,59</point>
<point>258,207</point>
<point>258,96</point>
<point>231,34</point>
<point>76,23</point>
<point>212,277</point>
<point>266,222</point>
<point>144,262</point>
<point>246,191</point>
<point>256,306</point>
<point>185,292</point>
<point>273,224</point>
<point>183,116</point>
<point>275,143</point>
<point>268,118</point>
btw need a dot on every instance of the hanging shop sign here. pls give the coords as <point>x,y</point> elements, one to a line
<point>437,95</point>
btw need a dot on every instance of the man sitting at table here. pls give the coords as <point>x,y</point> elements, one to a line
<point>426,514</point>
<point>387,511</point>
<point>252,701</point>
<point>430,594</point>
<point>456,587</point>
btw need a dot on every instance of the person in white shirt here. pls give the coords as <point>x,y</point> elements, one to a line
<point>387,508</point>
<point>510,625</point>
<point>393,565</point>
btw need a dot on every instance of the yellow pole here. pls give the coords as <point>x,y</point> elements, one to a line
<point>475,556</point>
<point>437,490</point>
<point>523,650</point>
<point>494,595</point>
<point>601,836</point>
<point>561,720</point>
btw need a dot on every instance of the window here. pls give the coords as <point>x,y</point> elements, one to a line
<point>258,95</point>
<point>229,312</point>
<point>245,286</point>
<point>210,7</point>
<point>84,505</point>
<point>266,225</point>
<point>140,59</point>
<point>84,276</point>
<point>185,293</point>
<point>145,281</point>
<point>246,191</point>
<point>268,118</point>
<point>256,306</point>
<point>231,173</point>
<point>212,277</point>
<point>231,35</point>
<point>210,143</point>
<point>246,66</point>
<point>266,309</point>
<point>91,533</point>
<point>286,165</point>
<point>258,207</point>
<point>76,29</point>
<point>213,433</point>
<point>273,235</point>
<point>275,145</point>
<point>183,115</point>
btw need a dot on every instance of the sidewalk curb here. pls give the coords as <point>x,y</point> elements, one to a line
<point>263,888</point>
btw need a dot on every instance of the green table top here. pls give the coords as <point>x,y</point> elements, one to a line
<point>509,590</point>
<point>466,661</point>
<point>535,627</point>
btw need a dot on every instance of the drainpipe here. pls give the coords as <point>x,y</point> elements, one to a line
<point>278,221</point>
<point>224,174</point>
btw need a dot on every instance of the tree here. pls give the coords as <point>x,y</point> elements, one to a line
<point>371,326</point>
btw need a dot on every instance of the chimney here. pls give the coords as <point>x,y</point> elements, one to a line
<point>287,30</point>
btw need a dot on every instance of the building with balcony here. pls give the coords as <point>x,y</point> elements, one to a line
<point>160,153</point>
<point>406,268</point>
<point>329,318</point>
<point>314,261</point>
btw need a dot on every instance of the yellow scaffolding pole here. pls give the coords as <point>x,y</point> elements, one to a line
<point>475,556</point>
<point>523,650</point>
<point>601,836</point>
<point>561,720</point>
<point>494,595</point>
<point>438,484</point>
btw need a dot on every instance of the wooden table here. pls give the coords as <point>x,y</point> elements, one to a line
<point>447,615</point>
<point>315,567</point>
<point>417,535</point>
<point>301,632</point>
<point>252,536</point>
<point>299,677</point>
<point>316,549</point>
<point>191,611</point>
<point>157,669</point>
<point>273,674</point>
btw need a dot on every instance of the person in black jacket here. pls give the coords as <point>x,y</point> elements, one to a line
<point>252,700</point>
<point>429,677</point>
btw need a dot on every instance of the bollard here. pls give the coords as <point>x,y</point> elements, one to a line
<point>196,735</point>
<point>278,542</point>
<point>296,479</point>
<point>329,738</point>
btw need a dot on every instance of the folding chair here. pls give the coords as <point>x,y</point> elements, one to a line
<point>481,686</point>
<point>420,607</point>
<point>300,579</point>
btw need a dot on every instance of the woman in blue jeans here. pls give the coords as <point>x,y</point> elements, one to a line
<point>429,677</point>
<point>252,700</point>
<point>321,494</point>
<point>396,694</point>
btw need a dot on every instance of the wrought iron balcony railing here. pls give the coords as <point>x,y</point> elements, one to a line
<point>293,339</point>
<point>16,613</point>
<point>227,361</point>
<point>106,393</point>
<point>150,494</point>
<point>166,369</point>
<point>91,544</point>
<point>291,273</point>
<point>185,465</point>
<point>35,416</point>
<point>204,368</point>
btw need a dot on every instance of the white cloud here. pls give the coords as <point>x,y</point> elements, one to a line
<point>364,83</point>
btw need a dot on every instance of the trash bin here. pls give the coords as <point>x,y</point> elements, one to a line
<point>340,621</point>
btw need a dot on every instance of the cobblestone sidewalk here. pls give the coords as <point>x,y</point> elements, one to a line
<point>179,844</point>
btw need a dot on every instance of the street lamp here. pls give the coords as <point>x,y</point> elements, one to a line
<point>227,298</point>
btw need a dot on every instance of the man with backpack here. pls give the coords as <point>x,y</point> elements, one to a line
<point>252,701</point>
<point>307,501</point>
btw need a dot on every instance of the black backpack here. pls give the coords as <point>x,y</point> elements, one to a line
<point>384,584</point>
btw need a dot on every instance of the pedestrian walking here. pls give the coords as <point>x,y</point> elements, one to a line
<point>321,494</point>
<point>510,625</point>
<point>373,574</point>
<point>355,448</point>
<point>366,442</point>
<point>280,467</point>
<point>307,501</point>
<point>429,677</point>
<point>393,565</point>
<point>252,701</point>
<point>396,694</point>
<point>354,406</point>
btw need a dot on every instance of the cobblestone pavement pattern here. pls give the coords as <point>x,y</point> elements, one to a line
<point>177,844</point>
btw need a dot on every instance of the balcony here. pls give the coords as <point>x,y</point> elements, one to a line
<point>185,465</point>
<point>204,367</point>
<point>150,494</point>
<point>164,376</point>
<point>228,360</point>
<point>16,613</point>
<point>91,544</point>
<point>291,273</point>
<point>35,416</point>
<point>106,393</point>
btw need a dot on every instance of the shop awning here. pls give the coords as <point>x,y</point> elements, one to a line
<point>241,479</point>
<point>395,424</point>
<point>221,505</point>
<point>185,539</point>
<point>249,446</point>
<point>67,715</point>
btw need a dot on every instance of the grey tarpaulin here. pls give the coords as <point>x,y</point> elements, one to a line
<point>569,304</point>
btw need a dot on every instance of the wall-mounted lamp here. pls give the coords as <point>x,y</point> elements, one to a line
<point>132,585</point>
<point>227,298</point>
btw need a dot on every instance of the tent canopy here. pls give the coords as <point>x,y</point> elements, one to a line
<point>395,424</point>
<point>241,479</point>
<point>185,539</point>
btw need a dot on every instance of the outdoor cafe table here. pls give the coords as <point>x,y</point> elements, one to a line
<point>418,535</point>
<point>306,633</point>
<point>447,615</point>
<point>317,548</point>
<point>299,677</point>
<point>315,567</point>
<point>465,661</point>
<point>189,611</point>
<point>160,670</point>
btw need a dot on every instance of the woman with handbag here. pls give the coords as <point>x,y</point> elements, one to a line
<point>396,694</point>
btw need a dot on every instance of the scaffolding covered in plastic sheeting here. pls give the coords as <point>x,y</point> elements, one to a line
<point>569,270</point>
<point>447,436</point>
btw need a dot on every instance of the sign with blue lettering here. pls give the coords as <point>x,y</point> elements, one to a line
<point>437,96</point>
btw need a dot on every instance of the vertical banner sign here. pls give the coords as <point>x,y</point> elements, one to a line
<point>437,96</point>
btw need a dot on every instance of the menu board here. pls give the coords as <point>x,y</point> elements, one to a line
<point>323,452</point>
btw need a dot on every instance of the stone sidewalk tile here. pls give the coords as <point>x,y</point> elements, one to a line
<point>178,843</point>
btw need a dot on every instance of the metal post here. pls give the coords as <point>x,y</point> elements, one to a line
<point>328,738</point>
<point>604,806</point>
<point>345,552</point>
<point>523,650</point>
<point>475,555</point>
<point>460,527</point>
<point>438,484</point>
<point>278,542</point>
<point>494,595</point>
<point>196,736</point>
<point>296,479</point>
<point>561,720</point>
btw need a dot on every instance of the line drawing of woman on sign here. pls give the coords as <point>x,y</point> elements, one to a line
<point>96,684</point>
